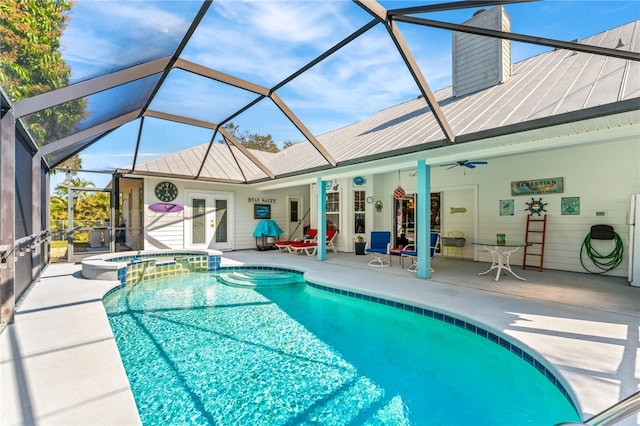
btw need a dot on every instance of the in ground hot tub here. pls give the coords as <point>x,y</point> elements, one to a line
<point>133,266</point>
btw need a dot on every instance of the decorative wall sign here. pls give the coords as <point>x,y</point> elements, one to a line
<point>262,200</point>
<point>166,207</point>
<point>458,210</point>
<point>538,186</point>
<point>506,207</point>
<point>570,205</point>
<point>359,180</point>
<point>262,211</point>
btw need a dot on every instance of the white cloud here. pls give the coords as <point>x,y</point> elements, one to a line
<point>267,41</point>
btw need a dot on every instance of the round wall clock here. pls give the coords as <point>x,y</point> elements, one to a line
<point>166,191</point>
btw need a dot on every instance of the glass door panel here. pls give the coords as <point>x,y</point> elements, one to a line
<point>207,224</point>
<point>198,221</point>
<point>221,221</point>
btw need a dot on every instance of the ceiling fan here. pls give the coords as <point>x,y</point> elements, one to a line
<point>464,163</point>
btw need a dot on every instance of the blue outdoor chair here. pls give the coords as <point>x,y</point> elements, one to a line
<point>410,251</point>
<point>379,246</point>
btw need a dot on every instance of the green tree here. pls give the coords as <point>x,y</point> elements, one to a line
<point>62,191</point>
<point>252,140</point>
<point>31,63</point>
<point>94,207</point>
<point>286,144</point>
<point>58,204</point>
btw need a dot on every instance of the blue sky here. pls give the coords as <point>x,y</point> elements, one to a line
<point>264,42</point>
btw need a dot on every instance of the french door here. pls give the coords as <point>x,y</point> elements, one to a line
<point>208,221</point>
<point>295,224</point>
<point>405,220</point>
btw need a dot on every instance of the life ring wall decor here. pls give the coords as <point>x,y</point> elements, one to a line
<point>535,207</point>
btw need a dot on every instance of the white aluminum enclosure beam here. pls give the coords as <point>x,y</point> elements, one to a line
<point>379,12</point>
<point>89,87</point>
<point>455,5</point>
<point>180,119</point>
<point>7,216</point>
<point>87,133</point>
<point>303,129</point>
<point>228,136</point>
<point>557,44</point>
<point>221,77</point>
<point>213,126</point>
<point>260,90</point>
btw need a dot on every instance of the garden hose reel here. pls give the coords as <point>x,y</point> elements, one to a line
<point>603,262</point>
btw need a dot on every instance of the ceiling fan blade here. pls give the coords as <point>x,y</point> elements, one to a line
<point>465,163</point>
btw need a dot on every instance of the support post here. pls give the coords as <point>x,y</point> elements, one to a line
<point>70,195</point>
<point>321,251</point>
<point>36,216</point>
<point>423,225</point>
<point>7,217</point>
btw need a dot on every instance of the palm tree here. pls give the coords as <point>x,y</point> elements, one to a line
<point>62,191</point>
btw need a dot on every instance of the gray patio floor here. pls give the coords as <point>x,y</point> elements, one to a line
<point>59,363</point>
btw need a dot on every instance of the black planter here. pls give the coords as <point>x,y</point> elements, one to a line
<point>360,246</point>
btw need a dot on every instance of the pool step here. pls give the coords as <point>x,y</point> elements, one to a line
<point>249,278</point>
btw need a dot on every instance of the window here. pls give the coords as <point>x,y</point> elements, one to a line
<point>293,210</point>
<point>359,202</point>
<point>333,210</point>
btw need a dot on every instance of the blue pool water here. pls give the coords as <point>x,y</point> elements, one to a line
<point>200,352</point>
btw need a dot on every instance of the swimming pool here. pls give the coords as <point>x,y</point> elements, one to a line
<point>200,352</point>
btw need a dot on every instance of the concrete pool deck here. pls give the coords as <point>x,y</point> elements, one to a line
<point>59,364</point>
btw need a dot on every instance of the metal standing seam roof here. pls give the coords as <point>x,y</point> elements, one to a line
<point>547,85</point>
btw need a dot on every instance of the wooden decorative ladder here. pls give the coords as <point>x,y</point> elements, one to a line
<point>535,235</point>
